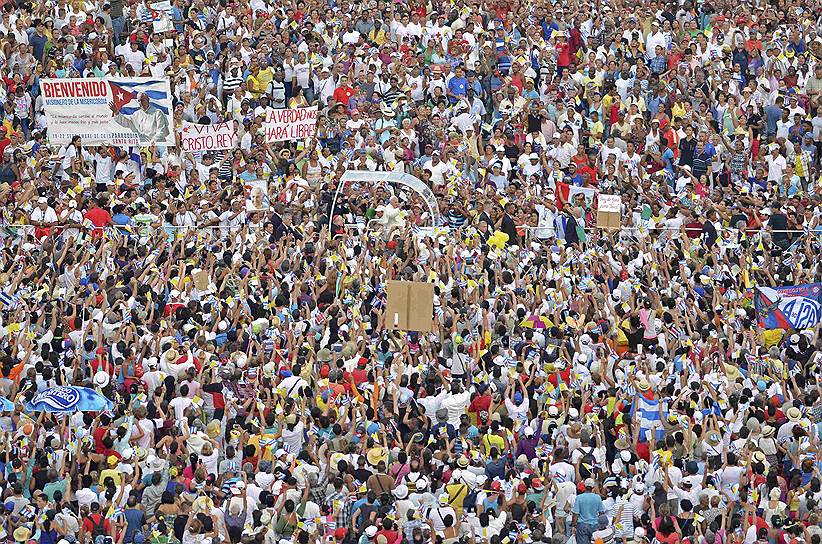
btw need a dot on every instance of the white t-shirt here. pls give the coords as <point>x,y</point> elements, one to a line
<point>179,404</point>
<point>44,216</point>
<point>775,167</point>
<point>456,406</point>
<point>294,438</point>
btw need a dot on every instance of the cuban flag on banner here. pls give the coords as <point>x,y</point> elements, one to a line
<point>155,12</point>
<point>649,416</point>
<point>794,307</point>
<point>126,95</point>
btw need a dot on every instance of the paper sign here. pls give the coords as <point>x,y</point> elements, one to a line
<point>610,203</point>
<point>161,13</point>
<point>219,136</point>
<point>290,124</point>
<point>256,195</point>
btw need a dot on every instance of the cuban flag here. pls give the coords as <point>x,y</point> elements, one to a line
<point>126,94</point>
<point>649,416</point>
<point>155,12</point>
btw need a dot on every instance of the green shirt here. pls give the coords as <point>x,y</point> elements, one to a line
<point>52,487</point>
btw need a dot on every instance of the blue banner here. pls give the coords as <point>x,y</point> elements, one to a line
<point>61,400</point>
<point>6,405</point>
<point>796,307</point>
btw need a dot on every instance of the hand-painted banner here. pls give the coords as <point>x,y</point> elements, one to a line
<point>115,111</point>
<point>794,307</point>
<point>290,124</point>
<point>216,137</point>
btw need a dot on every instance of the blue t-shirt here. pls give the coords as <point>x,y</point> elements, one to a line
<point>458,86</point>
<point>588,507</point>
<point>135,520</point>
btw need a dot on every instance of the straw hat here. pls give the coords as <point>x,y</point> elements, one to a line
<point>171,355</point>
<point>767,431</point>
<point>22,534</point>
<point>643,385</point>
<point>375,455</point>
<point>793,414</point>
<point>732,372</point>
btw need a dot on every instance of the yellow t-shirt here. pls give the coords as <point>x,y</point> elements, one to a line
<point>456,495</point>
<point>493,441</point>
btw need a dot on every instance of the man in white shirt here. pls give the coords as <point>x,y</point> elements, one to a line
<point>437,168</point>
<point>776,164</point>
<point>655,37</point>
<point>456,403</point>
<point>135,58</point>
<point>43,216</point>
<point>103,166</point>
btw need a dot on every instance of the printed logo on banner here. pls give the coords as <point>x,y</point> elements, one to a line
<point>793,307</point>
<point>59,398</point>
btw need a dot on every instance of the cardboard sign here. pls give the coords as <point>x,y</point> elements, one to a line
<point>410,306</point>
<point>201,280</point>
<point>609,211</point>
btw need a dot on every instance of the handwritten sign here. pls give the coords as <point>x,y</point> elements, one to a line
<point>290,124</point>
<point>215,137</point>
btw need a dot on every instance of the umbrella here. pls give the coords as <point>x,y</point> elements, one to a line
<point>6,405</point>
<point>536,322</point>
<point>61,400</point>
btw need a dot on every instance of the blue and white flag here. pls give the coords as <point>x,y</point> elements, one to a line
<point>62,400</point>
<point>6,405</point>
<point>8,301</point>
<point>649,416</point>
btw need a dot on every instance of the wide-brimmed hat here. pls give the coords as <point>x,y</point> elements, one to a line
<point>22,534</point>
<point>375,455</point>
<point>794,414</point>
<point>643,385</point>
<point>171,355</point>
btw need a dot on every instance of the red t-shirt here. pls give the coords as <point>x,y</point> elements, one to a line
<point>98,435</point>
<point>563,54</point>
<point>99,218</point>
<point>95,520</point>
<point>343,94</point>
<point>480,404</point>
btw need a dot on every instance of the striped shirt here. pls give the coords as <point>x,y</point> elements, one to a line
<point>625,524</point>
<point>230,83</point>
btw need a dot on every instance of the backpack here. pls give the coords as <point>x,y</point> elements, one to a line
<point>469,503</point>
<point>98,528</point>
<point>585,462</point>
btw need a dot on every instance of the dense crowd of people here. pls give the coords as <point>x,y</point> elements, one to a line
<point>589,377</point>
